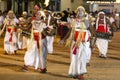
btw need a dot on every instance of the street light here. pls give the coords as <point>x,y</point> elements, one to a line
<point>117,1</point>
<point>47,2</point>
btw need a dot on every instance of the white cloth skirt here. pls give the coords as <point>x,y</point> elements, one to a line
<point>32,57</point>
<point>79,60</point>
<point>10,47</point>
<point>102,45</point>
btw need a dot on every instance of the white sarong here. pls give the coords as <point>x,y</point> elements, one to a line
<point>102,45</point>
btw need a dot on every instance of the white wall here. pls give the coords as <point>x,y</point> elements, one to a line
<point>30,6</point>
<point>65,4</point>
<point>75,4</point>
<point>3,5</point>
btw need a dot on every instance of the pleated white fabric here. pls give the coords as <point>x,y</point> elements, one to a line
<point>10,47</point>
<point>78,61</point>
<point>102,45</point>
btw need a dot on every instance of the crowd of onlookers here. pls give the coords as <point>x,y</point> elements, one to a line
<point>67,16</point>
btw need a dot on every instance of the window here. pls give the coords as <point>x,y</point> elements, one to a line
<point>54,5</point>
<point>102,0</point>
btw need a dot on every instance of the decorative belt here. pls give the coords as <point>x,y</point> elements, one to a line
<point>82,36</point>
<point>11,28</point>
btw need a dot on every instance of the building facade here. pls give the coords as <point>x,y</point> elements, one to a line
<point>72,4</point>
<point>27,5</point>
<point>106,5</point>
<point>16,5</point>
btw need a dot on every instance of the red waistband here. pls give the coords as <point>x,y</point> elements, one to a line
<point>82,36</point>
<point>9,29</point>
<point>36,36</point>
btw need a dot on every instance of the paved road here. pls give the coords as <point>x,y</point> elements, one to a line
<point>58,64</point>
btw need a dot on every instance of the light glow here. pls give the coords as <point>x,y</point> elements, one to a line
<point>117,1</point>
<point>46,2</point>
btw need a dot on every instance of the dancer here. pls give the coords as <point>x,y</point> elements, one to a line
<point>37,50</point>
<point>10,40</point>
<point>79,36</point>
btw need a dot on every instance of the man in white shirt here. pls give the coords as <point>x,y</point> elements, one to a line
<point>1,20</point>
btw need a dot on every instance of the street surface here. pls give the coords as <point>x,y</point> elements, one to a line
<point>58,64</point>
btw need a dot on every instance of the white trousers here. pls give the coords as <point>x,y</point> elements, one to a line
<point>50,40</point>
<point>25,42</point>
<point>43,55</point>
<point>88,51</point>
<point>20,40</point>
<point>102,45</point>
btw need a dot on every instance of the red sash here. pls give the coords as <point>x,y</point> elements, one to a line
<point>74,50</point>
<point>36,38</point>
<point>11,33</point>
